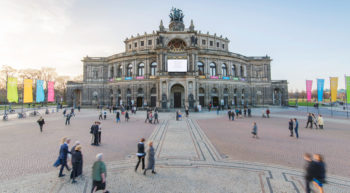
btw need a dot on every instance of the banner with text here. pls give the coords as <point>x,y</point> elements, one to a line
<point>28,91</point>
<point>347,81</point>
<point>50,91</point>
<point>12,94</point>
<point>320,87</point>
<point>308,89</point>
<point>334,88</point>
<point>40,96</point>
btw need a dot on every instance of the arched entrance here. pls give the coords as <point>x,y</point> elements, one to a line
<point>178,95</point>
<point>77,98</point>
<point>277,96</point>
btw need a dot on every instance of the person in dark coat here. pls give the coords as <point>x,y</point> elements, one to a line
<point>72,150</point>
<point>95,132</point>
<point>64,112</point>
<point>249,112</point>
<point>63,155</point>
<point>79,108</point>
<point>296,128</point>
<point>117,116</point>
<point>309,121</point>
<point>92,130</point>
<point>291,126</point>
<point>150,159</point>
<point>318,172</point>
<point>232,115</point>
<point>155,117</point>
<point>186,111</point>
<point>100,116</point>
<point>99,132</point>
<point>77,163</point>
<point>127,116</point>
<point>141,154</point>
<point>308,177</point>
<point>229,113</point>
<point>68,119</point>
<point>41,123</point>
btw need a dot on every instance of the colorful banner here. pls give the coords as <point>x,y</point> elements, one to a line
<point>40,96</point>
<point>50,91</point>
<point>308,89</point>
<point>347,86</point>
<point>226,78</point>
<point>334,88</point>
<point>320,86</point>
<point>28,91</point>
<point>12,94</point>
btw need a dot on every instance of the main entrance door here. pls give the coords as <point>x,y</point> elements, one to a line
<point>215,101</point>
<point>177,99</point>
<point>139,102</point>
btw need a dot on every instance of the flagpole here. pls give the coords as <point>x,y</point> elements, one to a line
<point>23,96</point>
<point>346,97</point>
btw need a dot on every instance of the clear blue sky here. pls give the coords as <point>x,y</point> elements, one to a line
<point>306,39</point>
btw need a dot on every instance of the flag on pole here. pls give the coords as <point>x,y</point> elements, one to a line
<point>347,86</point>
<point>334,88</point>
<point>12,93</point>
<point>50,91</point>
<point>40,96</point>
<point>308,89</point>
<point>320,86</point>
<point>28,91</point>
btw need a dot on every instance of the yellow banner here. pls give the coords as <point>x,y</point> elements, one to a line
<point>334,88</point>
<point>28,91</point>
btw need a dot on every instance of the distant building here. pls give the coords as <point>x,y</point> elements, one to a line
<point>174,67</point>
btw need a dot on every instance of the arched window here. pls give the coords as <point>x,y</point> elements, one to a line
<point>223,70</point>
<point>214,90</point>
<point>140,91</point>
<point>234,70</point>
<point>129,70</point>
<point>200,68</point>
<point>120,71</point>
<point>242,71</point>
<point>226,91</point>
<point>128,92</point>
<point>153,68</point>
<point>212,69</point>
<point>201,90</point>
<point>141,68</point>
<point>112,72</point>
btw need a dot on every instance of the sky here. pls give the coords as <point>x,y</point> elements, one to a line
<point>306,39</point>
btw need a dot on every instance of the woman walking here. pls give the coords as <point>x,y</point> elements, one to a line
<point>291,124</point>
<point>320,121</point>
<point>255,130</point>
<point>150,159</point>
<point>41,123</point>
<point>77,163</point>
<point>141,154</point>
<point>127,116</point>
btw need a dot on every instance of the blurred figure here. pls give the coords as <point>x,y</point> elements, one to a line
<point>229,114</point>
<point>255,130</point>
<point>155,117</point>
<point>99,174</point>
<point>68,118</point>
<point>320,121</point>
<point>249,112</point>
<point>63,155</point>
<point>308,177</point>
<point>309,121</point>
<point>77,163</point>
<point>104,115</point>
<point>186,110</point>
<point>141,154</point>
<point>117,116</point>
<point>127,116</point>
<point>150,159</point>
<point>319,172</point>
<point>100,116</point>
<point>314,120</point>
<point>41,123</point>
<point>268,113</point>
<point>291,127</point>
<point>296,128</point>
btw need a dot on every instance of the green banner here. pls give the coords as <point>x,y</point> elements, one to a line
<point>12,95</point>
<point>347,81</point>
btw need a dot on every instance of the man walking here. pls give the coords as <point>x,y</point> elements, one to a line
<point>99,174</point>
<point>41,123</point>
<point>155,117</point>
<point>229,114</point>
<point>63,156</point>
<point>309,121</point>
<point>117,116</point>
<point>68,119</point>
<point>141,154</point>
<point>296,128</point>
<point>147,116</point>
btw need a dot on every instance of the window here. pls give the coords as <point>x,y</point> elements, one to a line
<point>203,42</point>
<point>95,74</point>
<point>217,44</point>
<point>212,69</point>
<point>129,46</point>
<point>135,44</point>
<point>129,70</point>
<point>142,43</point>
<point>242,71</point>
<point>234,70</point>
<point>200,68</point>
<point>112,72</point>
<point>153,68</point>
<point>223,46</point>
<point>149,42</point>
<point>141,68</point>
<point>211,43</point>
<point>223,70</point>
<point>120,71</point>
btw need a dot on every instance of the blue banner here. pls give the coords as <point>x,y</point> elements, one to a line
<point>40,95</point>
<point>226,78</point>
<point>128,78</point>
<point>320,86</point>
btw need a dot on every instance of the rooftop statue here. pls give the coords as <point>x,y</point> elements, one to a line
<point>176,14</point>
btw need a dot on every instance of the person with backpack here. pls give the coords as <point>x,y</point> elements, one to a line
<point>41,123</point>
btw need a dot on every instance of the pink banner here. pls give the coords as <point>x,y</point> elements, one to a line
<point>50,91</point>
<point>308,89</point>
<point>139,77</point>
<point>214,77</point>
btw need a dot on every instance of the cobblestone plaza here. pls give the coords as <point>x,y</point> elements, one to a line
<point>203,153</point>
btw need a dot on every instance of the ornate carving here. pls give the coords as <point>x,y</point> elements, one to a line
<point>176,15</point>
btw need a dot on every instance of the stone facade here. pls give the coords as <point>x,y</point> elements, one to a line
<point>140,75</point>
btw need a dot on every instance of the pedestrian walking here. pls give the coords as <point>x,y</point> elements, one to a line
<point>314,120</point>
<point>229,114</point>
<point>232,115</point>
<point>147,116</point>
<point>318,172</point>
<point>99,132</point>
<point>255,130</point>
<point>64,112</point>
<point>117,116</point>
<point>127,116</point>
<point>99,175</point>
<point>151,161</point>
<point>156,117</point>
<point>72,111</point>
<point>96,133</point>
<point>100,116</point>
<point>79,108</point>
<point>308,177</point>
<point>150,117</point>
<point>77,163</point>
<point>320,121</point>
<point>249,112</point>
<point>296,128</point>
<point>291,124</point>
<point>209,107</point>
<point>63,155</point>
<point>141,154</point>
<point>186,110</point>
<point>68,117</point>
<point>104,115</point>
<point>245,112</point>
<point>268,113</point>
<point>92,132</point>
<point>41,123</point>
<point>309,121</point>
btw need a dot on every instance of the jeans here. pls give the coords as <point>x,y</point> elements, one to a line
<point>63,164</point>
<point>141,158</point>
<point>296,132</point>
